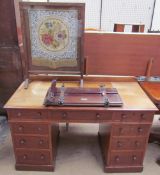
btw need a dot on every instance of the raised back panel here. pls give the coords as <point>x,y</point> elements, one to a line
<point>121,54</point>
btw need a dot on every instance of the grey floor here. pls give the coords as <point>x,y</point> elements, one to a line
<point>78,153</point>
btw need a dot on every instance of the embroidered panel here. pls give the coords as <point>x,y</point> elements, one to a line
<point>54,37</point>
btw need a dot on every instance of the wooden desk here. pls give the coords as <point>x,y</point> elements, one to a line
<point>123,131</point>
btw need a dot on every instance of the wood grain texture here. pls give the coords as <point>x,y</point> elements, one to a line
<point>131,93</point>
<point>10,62</point>
<point>153,90</point>
<point>121,54</point>
<point>34,138</point>
<point>10,73</point>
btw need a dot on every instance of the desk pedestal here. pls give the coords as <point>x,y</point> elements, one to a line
<point>123,148</point>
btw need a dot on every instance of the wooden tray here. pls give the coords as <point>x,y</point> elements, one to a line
<point>82,97</point>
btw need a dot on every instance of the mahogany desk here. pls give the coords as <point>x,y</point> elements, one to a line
<point>123,131</point>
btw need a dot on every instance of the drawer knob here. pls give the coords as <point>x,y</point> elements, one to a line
<point>98,116</point>
<point>142,116</point>
<point>39,129</point>
<point>64,115</point>
<point>41,142</point>
<point>22,141</point>
<point>140,130</point>
<point>25,157</point>
<point>123,116</point>
<point>119,144</point>
<point>20,128</point>
<point>134,158</point>
<point>39,113</point>
<point>137,143</point>
<point>19,114</point>
<point>117,159</point>
<point>42,157</point>
<point>121,130</point>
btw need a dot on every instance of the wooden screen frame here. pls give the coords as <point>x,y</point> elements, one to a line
<point>28,69</point>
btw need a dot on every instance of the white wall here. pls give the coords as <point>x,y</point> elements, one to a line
<point>156,17</point>
<point>126,12</point>
<point>118,11</point>
<point>92,12</point>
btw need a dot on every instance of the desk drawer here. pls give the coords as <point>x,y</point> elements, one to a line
<point>39,142</point>
<point>128,143</point>
<point>130,129</point>
<point>80,116</point>
<point>33,157</point>
<point>140,116</point>
<point>29,128</point>
<point>126,158</point>
<point>28,114</point>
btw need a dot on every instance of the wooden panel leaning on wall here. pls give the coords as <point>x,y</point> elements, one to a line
<point>121,54</point>
<point>10,63</point>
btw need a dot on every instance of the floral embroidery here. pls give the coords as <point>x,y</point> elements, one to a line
<point>47,39</point>
<point>54,37</point>
<point>53,34</point>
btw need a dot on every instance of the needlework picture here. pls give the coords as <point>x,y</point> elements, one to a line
<point>53,37</point>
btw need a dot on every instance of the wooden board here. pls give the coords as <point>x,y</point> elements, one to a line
<point>121,54</point>
<point>107,97</point>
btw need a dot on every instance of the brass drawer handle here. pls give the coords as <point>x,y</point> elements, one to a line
<point>143,116</point>
<point>140,130</point>
<point>134,158</point>
<point>20,128</point>
<point>42,157</point>
<point>137,143</point>
<point>98,116</point>
<point>64,115</point>
<point>25,157</point>
<point>119,144</point>
<point>19,114</point>
<point>117,158</point>
<point>123,116</point>
<point>39,129</point>
<point>121,130</point>
<point>39,113</point>
<point>22,141</point>
<point>41,142</point>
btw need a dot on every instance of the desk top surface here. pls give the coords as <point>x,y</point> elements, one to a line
<point>131,93</point>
